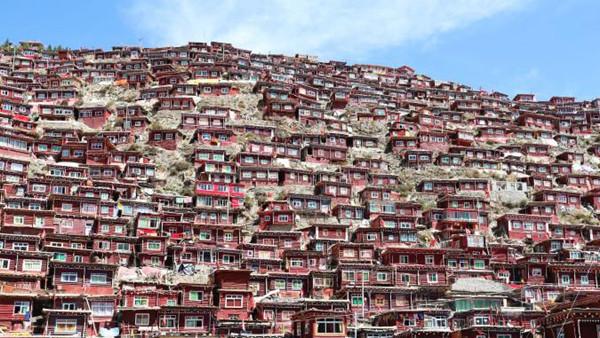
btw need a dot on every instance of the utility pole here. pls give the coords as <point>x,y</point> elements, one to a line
<point>355,325</point>
<point>14,57</point>
<point>363,296</point>
<point>228,200</point>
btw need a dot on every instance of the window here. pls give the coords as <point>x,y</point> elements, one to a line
<point>21,307</point>
<point>65,326</point>
<point>68,306</point>
<point>382,277</point>
<point>565,279</point>
<point>429,260</point>
<point>234,301</point>
<point>348,252</point>
<point>432,277</point>
<point>228,259</point>
<point>329,325</point>
<point>435,322</point>
<point>348,276</point>
<point>479,264</point>
<point>357,300</point>
<point>195,295</point>
<point>102,309</point>
<point>142,319</point>
<point>409,321</point>
<point>32,265</point>
<point>104,245</point>
<point>194,321</point>
<point>20,246</point>
<point>169,321</point>
<point>585,280</point>
<point>68,277</point>
<point>153,245</point>
<point>280,284</point>
<point>140,301</point>
<point>296,284</point>
<point>481,320</point>
<point>405,225</point>
<point>67,207</point>
<point>4,264</point>
<point>98,278</point>
<point>123,247</point>
<point>60,256</point>
<point>18,220</point>
<point>364,275</point>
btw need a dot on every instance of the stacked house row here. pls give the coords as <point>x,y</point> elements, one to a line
<point>303,217</point>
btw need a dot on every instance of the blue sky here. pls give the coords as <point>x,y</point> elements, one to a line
<point>547,47</point>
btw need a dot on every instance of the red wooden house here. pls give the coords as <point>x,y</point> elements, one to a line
<point>214,136</point>
<point>564,199</point>
<point>193,314</point>
<point>319,324</point>
<point>93,117</point>
<point>176,103</point>
<point>56,112</point>
<point>339,192</point>
<point>417,266</point>
<point>276,215</point>
<point>217,89</point>
<point>167,139</point>
<point>233,296</point>
<point>521,226</point>
<point>579,322</point>
<point>321,153</point>
<point>140,306</point>
<point>290,176</point>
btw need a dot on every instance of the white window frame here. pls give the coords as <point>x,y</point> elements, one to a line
<point>21,307</point>
<point>233,298</point>
<point>65,277</point>
<point>104,276</point>
<point>34,265</point>
<point>142,319</point>
<point>64,322</point>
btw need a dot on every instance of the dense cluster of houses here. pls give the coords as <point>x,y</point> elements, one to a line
<point>349,246</point>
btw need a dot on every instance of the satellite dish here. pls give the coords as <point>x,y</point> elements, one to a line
<point>109,333</point>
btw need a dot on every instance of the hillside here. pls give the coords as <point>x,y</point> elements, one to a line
<point>208,190</point>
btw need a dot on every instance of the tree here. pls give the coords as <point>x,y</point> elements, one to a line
<point>6,45</point>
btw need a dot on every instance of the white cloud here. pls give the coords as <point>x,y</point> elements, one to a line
<point>328,28</point>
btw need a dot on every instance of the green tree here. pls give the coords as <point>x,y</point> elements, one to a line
<point>6,45</point>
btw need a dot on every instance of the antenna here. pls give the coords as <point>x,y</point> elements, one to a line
<point>14,56</point>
